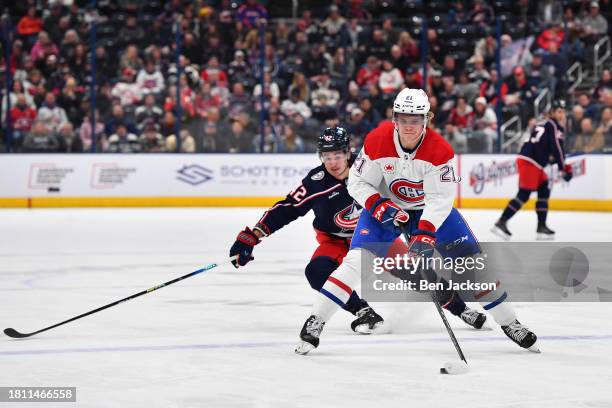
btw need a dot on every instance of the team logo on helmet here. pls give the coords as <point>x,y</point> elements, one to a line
<point>408,191</point>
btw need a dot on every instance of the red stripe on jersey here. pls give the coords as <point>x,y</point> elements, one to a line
<point>379,142</point>
<point>434,149</point>
<point>340,284</point>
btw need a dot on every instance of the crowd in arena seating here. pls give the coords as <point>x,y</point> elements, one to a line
<point>340,63</point>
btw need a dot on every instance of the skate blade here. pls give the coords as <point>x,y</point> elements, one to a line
<point>500,233</point>
<point>535,348</point>
<point>545,237</point>
<point>365,328</point>
<point>304,348</point>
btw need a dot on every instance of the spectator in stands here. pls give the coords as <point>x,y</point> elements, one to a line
<point>605,82</point>
<point>461,115</point>
<point>86,135</point>
<point>70,99</point>
<point>250,13</point>
<point>295,104</point>
<point>590,109</point>
<point>594,25</point>
<point>487,48</point>
<point>481,14</point>
<point>18,89</point>
<point>130,59</point>
<point>315,61</point>
<point>290,141</point>
<point>40,139</point>
<point>552,35</point>
<point>151,141</point>
<point>466,88</point>
<point>390,80</point>
<point>517,95</point>
<point>324,97</point>
<point>52,115</point>
<point>333,23</point>
<point>123,141</point>
<point>357,125</point>
<point>150,80</point>
<point>550,13</point>
<point>188,144</point>
<point>213,72</point>
<point>238,141</point>
<point>484,126</point>
<point>239,70</point>
<point>587,141</point>
<point>43,47</point>
<point>479,73</point>
<point>29,26</point>
<point>375,45</point>
<point>270,89</point>
<point>127,90</point>
<point>22,117</point>
<point>148,111</point>
<point>299,82</point>
<point>340,68</point>
<point>68,140</point>
<point>118,118</point>
<point>456,138</point>
<point>575,119</point>
<point>131,32</point>
<point>369,73</point>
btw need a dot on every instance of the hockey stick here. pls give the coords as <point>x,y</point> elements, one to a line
<point>449,367</point>
<point>14,333</point>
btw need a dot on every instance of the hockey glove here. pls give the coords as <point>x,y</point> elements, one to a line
<point>385,210</point>
<point>422,243</point>
<point>568,172</point>
<point>240,252</point>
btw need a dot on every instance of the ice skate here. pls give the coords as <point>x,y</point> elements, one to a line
<point>521,335</point>
<point>501,230</point>
<point>544,233</point>
<point>473,318</point>
<point>367,321</point>
<point>313,326</point>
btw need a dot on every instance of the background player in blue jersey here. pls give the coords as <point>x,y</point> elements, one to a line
<point>544,146</point>
<point>323,191</point>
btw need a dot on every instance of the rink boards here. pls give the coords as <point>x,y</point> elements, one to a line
<point>255,180</point>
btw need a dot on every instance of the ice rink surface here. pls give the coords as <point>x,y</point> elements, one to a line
<point>225,338</point>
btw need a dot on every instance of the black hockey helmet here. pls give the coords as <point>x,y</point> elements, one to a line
<point>559,104</point>
<point>331,139</point>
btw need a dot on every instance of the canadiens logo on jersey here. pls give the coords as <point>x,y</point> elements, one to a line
<point>408,191</point>
<point>348,217</point>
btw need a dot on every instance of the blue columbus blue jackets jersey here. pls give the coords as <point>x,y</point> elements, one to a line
<point>545,144</point>
<point>335,210</point>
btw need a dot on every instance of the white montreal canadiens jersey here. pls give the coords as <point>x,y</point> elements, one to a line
<point>423,179</point>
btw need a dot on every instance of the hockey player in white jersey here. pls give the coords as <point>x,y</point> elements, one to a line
<point>405,179</point>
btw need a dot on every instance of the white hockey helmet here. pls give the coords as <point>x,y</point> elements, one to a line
<point>411,100</point>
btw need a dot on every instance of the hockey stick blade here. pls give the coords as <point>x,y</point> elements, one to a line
<point>15,334</point>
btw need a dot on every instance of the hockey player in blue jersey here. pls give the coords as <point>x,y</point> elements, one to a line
<point>543,146</point>
<point>323,191</point>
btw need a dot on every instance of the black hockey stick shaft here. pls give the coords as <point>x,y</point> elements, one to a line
<point>434,298</point>
<point>15,334</point>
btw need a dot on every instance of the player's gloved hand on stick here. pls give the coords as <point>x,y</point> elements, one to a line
<point>568,172</point>
<point>240,252</point>
<point>422,243</point>
<point>385,210</point>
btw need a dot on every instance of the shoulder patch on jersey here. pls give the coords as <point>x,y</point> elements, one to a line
<point>318,176</point>
<point>379,142</point>
<point>434,149</point>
